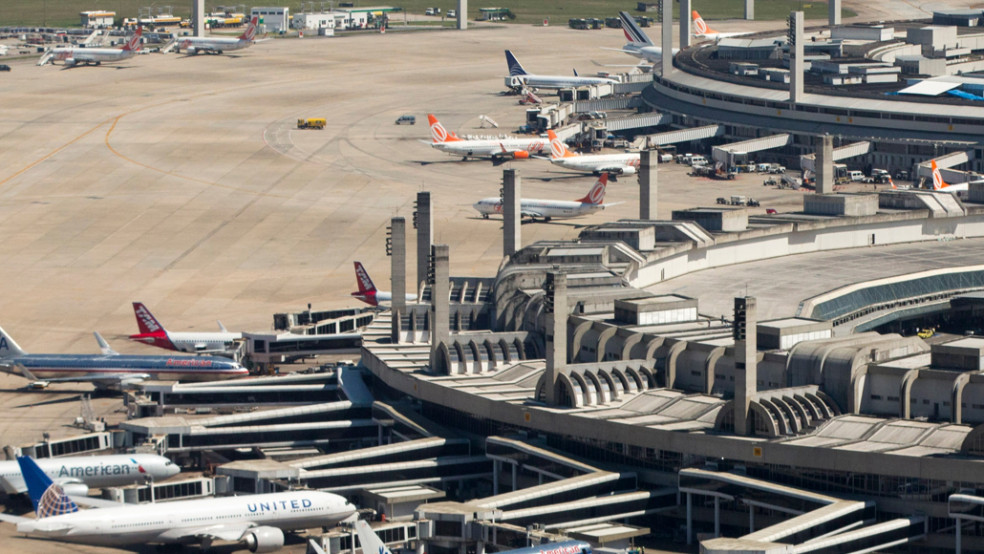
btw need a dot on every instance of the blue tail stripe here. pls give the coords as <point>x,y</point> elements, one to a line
<point>514,67</point>
<point>48,498</point>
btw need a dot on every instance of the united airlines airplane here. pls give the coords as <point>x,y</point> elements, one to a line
<point>77,474</point>
<point>258,521</point>
<point>111,369</point>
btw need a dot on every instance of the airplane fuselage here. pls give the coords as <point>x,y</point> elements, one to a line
<point>484,148</point>
<point>91,55</point>
<point>212,44</point>
<point>175,522</point>
<point>559,81</point>
<point>625,164</point>
<point>172,368</point>
<point>94,471</point>
<point>540,209</point>
<point>190,341</point>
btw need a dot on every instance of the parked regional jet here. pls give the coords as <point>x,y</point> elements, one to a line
<point>639,45</point>
<point>217,45</point>
<point>77,474</point>
<point>701,30</point>
<point>550,209</point>
<point>499,149</point>
<point>152,332</point>
<point>519,77</point>
<point>942,186</point>
<point>258,521</point>
<point>111,369</point>
<point>367,290</point>
<point>371,542</point>
<point>72,55</point>
<point>616,164</point>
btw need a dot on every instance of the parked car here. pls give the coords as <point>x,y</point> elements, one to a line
<point>452,13</point>
<point>4,67</point>
<point>406,120</point>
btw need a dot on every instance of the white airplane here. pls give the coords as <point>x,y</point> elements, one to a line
<point>519,78</point>
<point>258,520</point>
<point>77,474</point>
<point>499,149</point>
<point>701,30</point>
<point>217,45</point>
<point>549,209</point>
<point>639,45</point>
<point>72,56</point>
<point>940,185</point>
<point>367,290</point>
<point>152,332</point>
<point>616,164</point>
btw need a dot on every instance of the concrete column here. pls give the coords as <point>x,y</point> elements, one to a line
<point>480,547</point>
<point>746,368</point>
<point>717,517</point>
<point>496,468</point>
<point>462,14</point>
<point>824,164</point>
<point>556,311</point>
<point>397,249</point>
<point>511,212</point>
<point>795,36</point>
<point>956,545</point>
<point>647,182</point>
<point>440,302</point>
<point>198,17</point>
<point>515,481</point>
<point>751,519</point>
<point>423,222</point>
<point>834,8</point>
<point>749,9</point>
<point>686,23</point>
<point>666,62</point>
<point>690,518</point>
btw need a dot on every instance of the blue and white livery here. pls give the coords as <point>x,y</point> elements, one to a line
<point>520,78</point>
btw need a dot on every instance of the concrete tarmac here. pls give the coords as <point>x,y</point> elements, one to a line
<point>182,182</point>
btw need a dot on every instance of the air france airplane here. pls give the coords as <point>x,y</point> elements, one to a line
<point>549,209</point>
<point>639,45</point>
<point>152,332</point>
<point>77,474</point>
<point>616,164</point>
<point>258,521</point>
<point>367,290</point>
<point>217,45</point>
<point>95,56</point>
<point>519,77</point>
<point>111,369</point>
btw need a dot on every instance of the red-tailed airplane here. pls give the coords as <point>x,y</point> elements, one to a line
<point>368,292</point>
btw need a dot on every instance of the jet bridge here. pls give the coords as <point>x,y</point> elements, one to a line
<point>808,162</point>
<point>728,154</point>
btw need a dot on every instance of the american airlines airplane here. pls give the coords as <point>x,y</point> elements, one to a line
<point>152,332</point>
<point>550,209</point>
<point>258,521</point>
<point>616,164</point>
<point>371,542</point>
<point>520,78</point>
<point>72,56</point>
<point>499,149</point>
<point>367,290</point>
<point>111,369</point>
<point>77,474</point>
<point>217,45</point>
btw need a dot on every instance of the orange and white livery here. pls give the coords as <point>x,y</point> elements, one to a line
<point>218,45</point>
<point>942,186</point>
<point>616,164</point>
<point>72,56</point>
<point>703,30</point>
<point>498,149</point>
<point>550,209</point>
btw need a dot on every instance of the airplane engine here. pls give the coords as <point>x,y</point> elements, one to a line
<point>70,61</point>
<point>75,489</point>
<point>191,50</point>
<point>264,539</point>
<point>629,170</point>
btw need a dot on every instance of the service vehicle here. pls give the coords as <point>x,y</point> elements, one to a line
<point>311,123</point>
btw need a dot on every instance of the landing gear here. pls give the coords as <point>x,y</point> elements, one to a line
<point>485,216</point>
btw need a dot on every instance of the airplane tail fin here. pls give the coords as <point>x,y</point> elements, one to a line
<point>438,133</point>
<point>362,279</point>
<point>369,539</point>
<point>632,31</point>
<point>596,195</point>
<point>891,182</point>
<point>515,68</point>
<point>557,147</point>
<point>107,350</point>
<point>9,348</point>
<point>48,498</point>
<point>222,327</point>
<point>134,42</point>
<point>700,26</point>
<point>938,182</point>
<point>250,32</point>
<point>146,321</point>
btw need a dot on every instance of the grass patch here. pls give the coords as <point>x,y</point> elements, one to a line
<point>65,13</point>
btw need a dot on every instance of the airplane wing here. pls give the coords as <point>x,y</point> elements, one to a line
<point>530,213</point>
<point>14,519</point>
<point>101,380</point>
<point>642,65</point>
<point>232,532</point>
<point>93,502</point>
